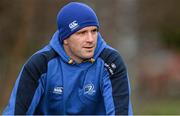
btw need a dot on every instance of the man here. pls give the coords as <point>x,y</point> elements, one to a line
<point>76,73</point>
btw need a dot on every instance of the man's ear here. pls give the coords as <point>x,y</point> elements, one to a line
<point>65,42</point>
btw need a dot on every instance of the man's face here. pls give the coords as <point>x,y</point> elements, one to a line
<point>81,45</point>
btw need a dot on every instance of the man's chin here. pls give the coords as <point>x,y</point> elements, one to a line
<point>88,56</point>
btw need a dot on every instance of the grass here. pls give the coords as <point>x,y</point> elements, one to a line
<point>157,107</point>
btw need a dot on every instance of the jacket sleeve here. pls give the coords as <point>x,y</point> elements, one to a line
<point>28,88</point>
<point>116,87</point>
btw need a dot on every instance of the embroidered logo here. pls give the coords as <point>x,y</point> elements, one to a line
<point>73,25</point>
<point>109,68</point>
<point>113,65</point>
<point>89,89</point>
<point>58,90</point>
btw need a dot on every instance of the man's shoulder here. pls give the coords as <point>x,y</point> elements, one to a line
<point>112,60</point>
<point>39,60</point>
<point>110,54</point>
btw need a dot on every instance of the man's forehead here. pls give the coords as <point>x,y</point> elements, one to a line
<point>87,28</point>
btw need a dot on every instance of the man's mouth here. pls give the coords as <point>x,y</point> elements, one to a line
<point>88,47</point>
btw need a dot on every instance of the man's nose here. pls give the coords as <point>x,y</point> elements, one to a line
<point>90,37</point>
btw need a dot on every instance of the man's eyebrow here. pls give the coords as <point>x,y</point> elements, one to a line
<point>86,30</point>
<point>80,31</point>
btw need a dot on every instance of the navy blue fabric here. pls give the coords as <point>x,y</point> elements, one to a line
<point>119,80</point>
<point>33,69</point>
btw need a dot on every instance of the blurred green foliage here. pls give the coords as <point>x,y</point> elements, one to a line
<point>170,36</point>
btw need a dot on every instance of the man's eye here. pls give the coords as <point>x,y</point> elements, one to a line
<point>95,30</point>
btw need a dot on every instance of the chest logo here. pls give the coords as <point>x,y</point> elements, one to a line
<point>89,89</point>
<point>58,90</point>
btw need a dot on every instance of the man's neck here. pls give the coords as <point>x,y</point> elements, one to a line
<point>71,55</point>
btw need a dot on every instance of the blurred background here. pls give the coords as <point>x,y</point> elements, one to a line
<point>145,32</point>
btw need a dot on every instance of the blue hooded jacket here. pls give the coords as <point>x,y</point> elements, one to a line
<point>50,84</point>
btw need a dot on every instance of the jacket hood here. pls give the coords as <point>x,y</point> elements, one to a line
<point>58,47</point>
